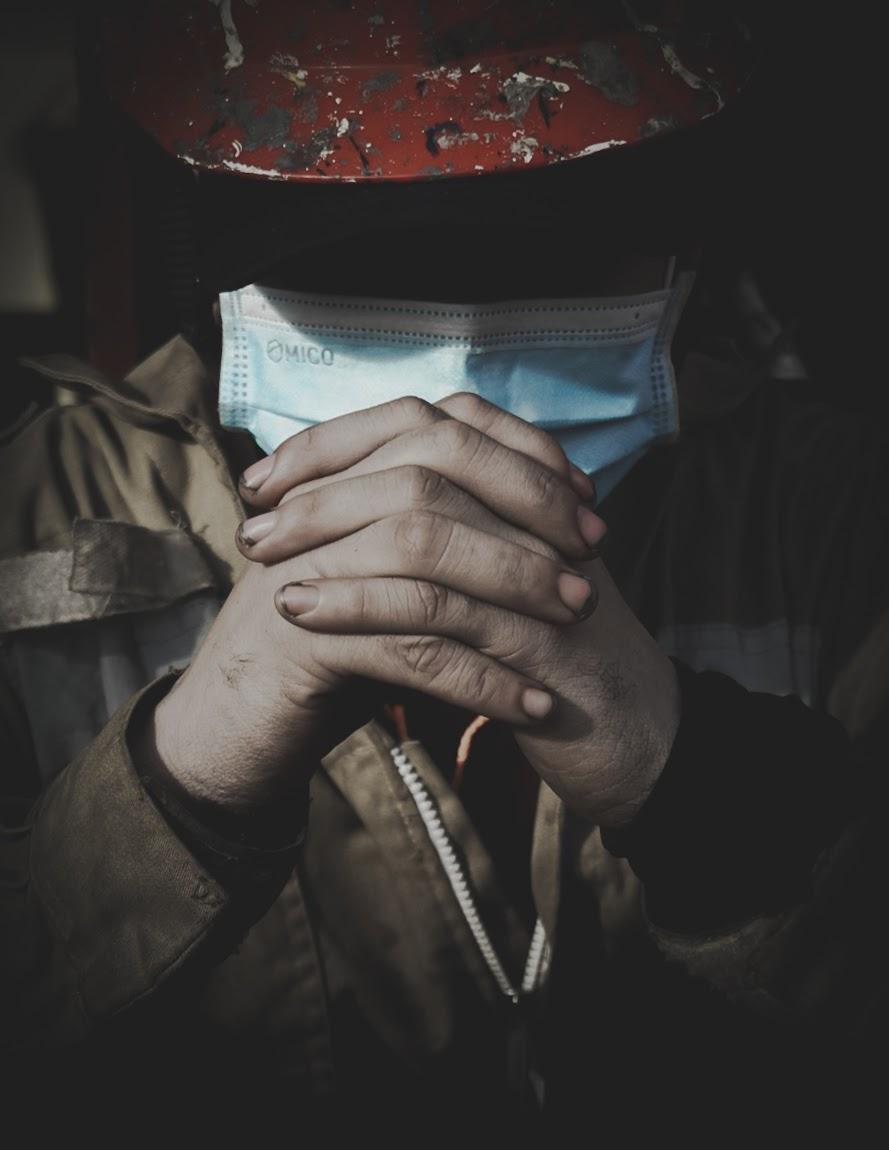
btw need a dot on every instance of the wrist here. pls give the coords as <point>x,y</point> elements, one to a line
<point>226,750</point>
<point>646,746</point>
<point>228,831</point>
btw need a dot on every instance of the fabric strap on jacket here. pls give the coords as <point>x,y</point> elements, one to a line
<point>109,568</point>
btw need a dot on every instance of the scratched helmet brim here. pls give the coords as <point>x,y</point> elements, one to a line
<point>410,90</point>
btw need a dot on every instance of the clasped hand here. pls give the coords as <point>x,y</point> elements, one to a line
<point>451,548</point>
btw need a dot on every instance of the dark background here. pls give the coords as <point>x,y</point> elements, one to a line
<point>797,254</point>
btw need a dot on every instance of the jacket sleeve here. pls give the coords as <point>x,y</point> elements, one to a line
<point>760,858</point>
<point>102,904</point>
<point>762,850</point>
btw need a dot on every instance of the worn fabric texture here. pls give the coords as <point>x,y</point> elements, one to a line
<point>756,546</point>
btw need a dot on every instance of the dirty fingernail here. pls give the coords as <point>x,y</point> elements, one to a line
<point>582,483</point>
<point>297,598</point>
<point>592,528</point>
<point>536,703</point>
<point>255,475</point>
<point>577,594</point>
<point>252,530</point>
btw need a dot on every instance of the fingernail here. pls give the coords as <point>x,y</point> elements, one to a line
<point>535,703</point>
<point>252,530</point>
<point>297,598</point>
<point>578,594</point>
<point>255,475</point>
<point>592,528</point>
<point>582,483</point>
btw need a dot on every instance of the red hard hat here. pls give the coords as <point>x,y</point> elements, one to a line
<point>406,90</point>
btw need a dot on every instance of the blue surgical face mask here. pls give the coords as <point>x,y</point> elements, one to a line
<point>595,373</point>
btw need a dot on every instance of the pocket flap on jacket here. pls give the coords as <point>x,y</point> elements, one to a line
<point>111,568</point>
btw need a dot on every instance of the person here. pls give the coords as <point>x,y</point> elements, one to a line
<point>380,785</point>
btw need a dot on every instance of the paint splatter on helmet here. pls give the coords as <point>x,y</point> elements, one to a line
<point>395,90</point>
<point>266,130</point>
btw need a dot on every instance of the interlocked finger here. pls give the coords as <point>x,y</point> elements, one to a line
<point>436,549</point>
<point>326,513</point>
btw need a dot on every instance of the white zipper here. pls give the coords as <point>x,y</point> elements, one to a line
<point>538,952</point>
<point>537,961</point>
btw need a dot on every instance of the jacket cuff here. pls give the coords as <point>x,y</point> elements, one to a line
<point>123,896</point>
<point>755,788</point>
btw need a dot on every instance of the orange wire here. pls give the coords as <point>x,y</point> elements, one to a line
<point>463,748</point>
<point>395,711</point>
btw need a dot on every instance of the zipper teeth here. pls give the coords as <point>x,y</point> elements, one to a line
<point>460,886</point>
<point>536,962</point>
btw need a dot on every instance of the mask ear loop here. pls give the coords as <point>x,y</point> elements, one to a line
<point>671,272</point>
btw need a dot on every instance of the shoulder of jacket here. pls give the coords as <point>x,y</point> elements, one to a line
<point>107,478</point>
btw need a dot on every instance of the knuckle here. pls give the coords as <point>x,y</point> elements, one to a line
<point>434,600</point>
<point>425,655</point>
<point>544,550</point>
<point>415,410</point>
<point>534,544</point>
<point>355,600</point>
<point>513,567</point>
<point>305,440</point>
<point>532,651</point>
<point>516,566</point>
<point>553,455</point>
<point>310,507</point>
<point>424,486</point>
<point>545,487</point>
<point>463,405</point>
<point>480,680</point>
<point>287,455</point>
<point>547,449</point>
<point>511,642</point>
<point>458,439</point>
<point>416,535</point>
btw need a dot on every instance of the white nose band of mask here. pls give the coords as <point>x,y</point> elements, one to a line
<point>596,373</point>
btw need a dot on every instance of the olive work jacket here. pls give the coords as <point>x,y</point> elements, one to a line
<point>387,968</point>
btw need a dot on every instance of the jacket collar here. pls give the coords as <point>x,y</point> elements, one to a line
<point>172,383</point>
